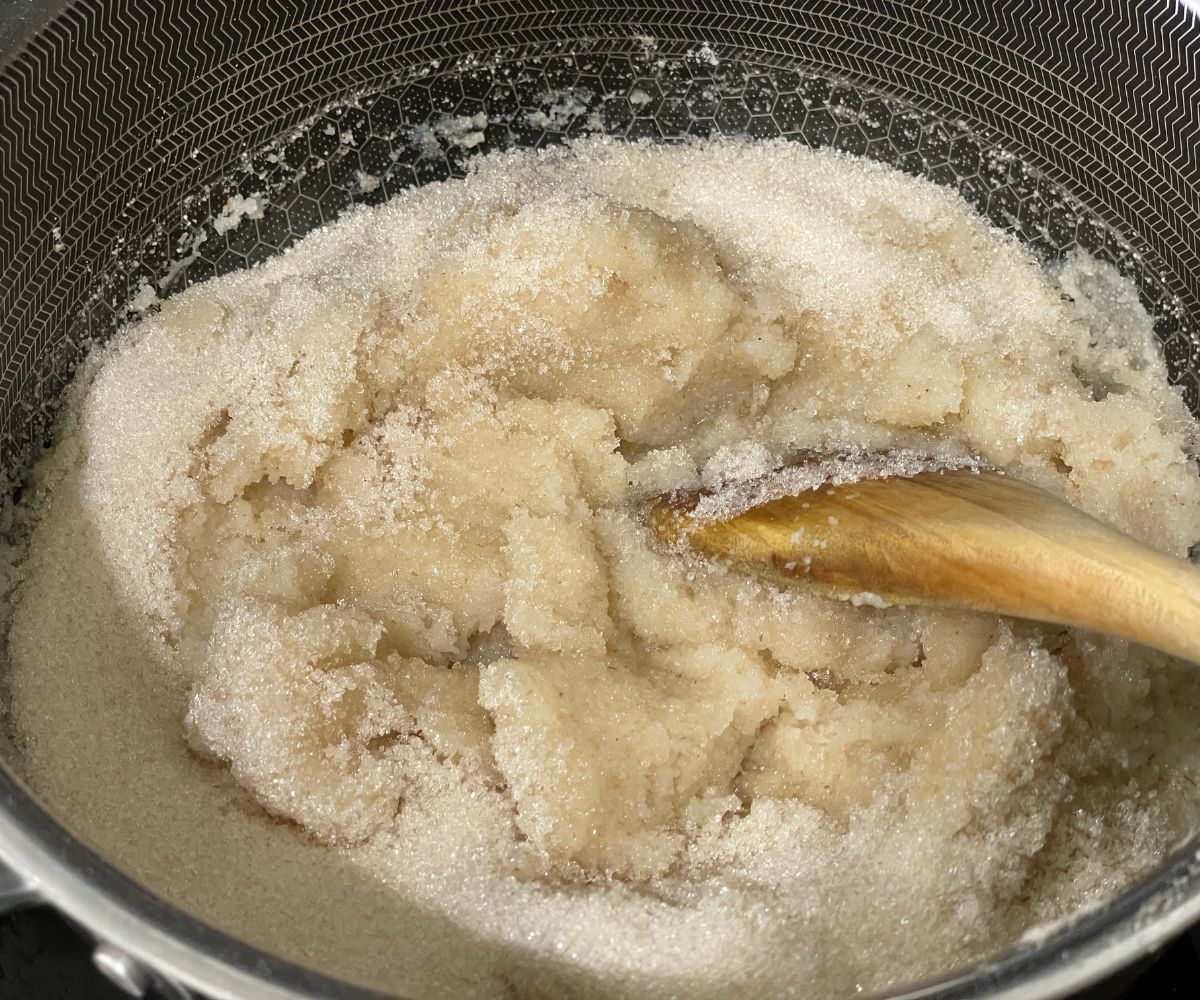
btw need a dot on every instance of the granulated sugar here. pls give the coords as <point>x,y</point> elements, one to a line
<point>338,626</point>
<point>758,478</point>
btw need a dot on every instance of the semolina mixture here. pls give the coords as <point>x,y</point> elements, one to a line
<point>340,627</point>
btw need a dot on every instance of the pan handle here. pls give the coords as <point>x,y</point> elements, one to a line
<point>133,978</point>
<point>16,891</point>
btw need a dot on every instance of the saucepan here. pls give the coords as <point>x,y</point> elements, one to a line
<point>125,125</point>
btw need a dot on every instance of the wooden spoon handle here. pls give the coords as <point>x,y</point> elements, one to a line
<point>972,539</point>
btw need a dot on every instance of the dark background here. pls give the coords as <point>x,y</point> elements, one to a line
<point>43,958</point>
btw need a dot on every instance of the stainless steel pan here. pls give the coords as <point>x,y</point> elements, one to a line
<point>125,124</point>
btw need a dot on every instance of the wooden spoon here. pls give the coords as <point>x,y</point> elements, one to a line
<point>961,537</point>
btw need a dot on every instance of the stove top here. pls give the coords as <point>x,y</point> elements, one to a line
<point>42,957</point>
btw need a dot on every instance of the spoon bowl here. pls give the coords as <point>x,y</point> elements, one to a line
<point>962,537</point>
